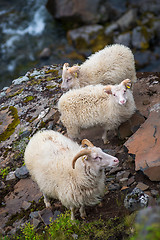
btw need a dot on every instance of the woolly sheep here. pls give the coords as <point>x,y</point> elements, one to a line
<point>89,106</point>
<point>67,171</point>
<point>110,65</point>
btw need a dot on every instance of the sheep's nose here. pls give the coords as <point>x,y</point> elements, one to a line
<point>122,102</point>
<point>63,89</point>
<point>116,160</point>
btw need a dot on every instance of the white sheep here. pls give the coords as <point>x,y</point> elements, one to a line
<point>66,171</point>
<point>110,65</point>
<point>107,106</point>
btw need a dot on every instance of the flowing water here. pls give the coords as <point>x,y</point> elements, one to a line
<point>26,28</point>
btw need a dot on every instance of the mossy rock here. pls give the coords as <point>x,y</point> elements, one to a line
<point>11,127</point>
<point>29,98</point>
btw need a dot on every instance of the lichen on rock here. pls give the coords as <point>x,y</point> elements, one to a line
<point>11,127</point>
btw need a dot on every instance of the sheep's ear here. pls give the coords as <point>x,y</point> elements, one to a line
<point>107,89</point>
<point>65,66</point>
<point>74,71</point>
<point>127,83</point>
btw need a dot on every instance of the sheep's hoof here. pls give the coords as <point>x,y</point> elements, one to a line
<point>106,141</point>
<point>48,205</point>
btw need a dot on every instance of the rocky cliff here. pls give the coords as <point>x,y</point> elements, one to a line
<point>29,105</point>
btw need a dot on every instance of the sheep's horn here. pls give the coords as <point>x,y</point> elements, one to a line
<point>73,69</point>
<point>80,154</point>
<point>127,83</point>
<point>65,66</point>
<point>86,142</point>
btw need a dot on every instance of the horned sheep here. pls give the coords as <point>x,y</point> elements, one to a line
<point>110,65</point>
<point>67,171</point>
<point>89,106</point>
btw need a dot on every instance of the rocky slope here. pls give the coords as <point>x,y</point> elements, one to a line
<point>29,104</point>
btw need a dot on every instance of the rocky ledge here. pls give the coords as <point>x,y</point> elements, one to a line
<point>29,105</point>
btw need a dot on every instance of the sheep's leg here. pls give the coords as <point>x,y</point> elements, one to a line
<point>72,213</point>
<point>46,201</point>
<point>73,133</point>
<point>82,212</point>
<point>104,137</point>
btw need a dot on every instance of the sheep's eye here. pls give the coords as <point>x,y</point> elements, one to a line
<point>68,79</point>
<point>98,158</point>
<point>114,94</point>
<point>124,91</point>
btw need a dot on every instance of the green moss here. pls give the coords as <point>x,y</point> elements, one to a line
<point>144,45</point>
<point>29,98</point>
<point>54,71</point>
<point>151,232</point>
<point>50,78</point>
<point>35,82</point>
<point>97,41</point>
<point>11,127</point>
<point>51,87</point>
<point>19,147</point>
<point>16,93</point>
<point>4,172</point>
<point>63,228</point>
<point>100,42</point>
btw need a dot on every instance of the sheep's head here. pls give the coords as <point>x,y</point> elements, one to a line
<point>95,157</point>
<point>70,77</point>
<point>119,91</point>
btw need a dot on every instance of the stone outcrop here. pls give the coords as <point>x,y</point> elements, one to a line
<point>29,105</point>
<point>145,144</point>
<point>126,23</point>
<point>85,11</point>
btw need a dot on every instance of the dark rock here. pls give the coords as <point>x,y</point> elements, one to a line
<point>148,6</point>
<point>142,186</point>
<point>10,176</point>
<point>127,128</point>
<point>146,102</point>
<point>110,179</point>
<point>136,199</point>
<point>124,38</point>
<point>120,175</point>
<point>126,174</point>
<point>138,39</point>
<point>83,36</point>
<point>128,20</point>
<point>26,205</point>
<point>34,214</point>
<point>36,222</point>
<point>142,58</point>
<point>24,190</point>
<point>25,133</point>
<point>45,54</point>
<point>123,181</point>
<point>2,185</point>
<point>131,180</point>
<point>154,193</point>
<point>46,216</point>
<point>114,187</point>
<point>156,27</point>
<point>111,28</point>
<point>22,172</point>
<point>56,215</point>
<point>115,169</point>
<point>86,11</point>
